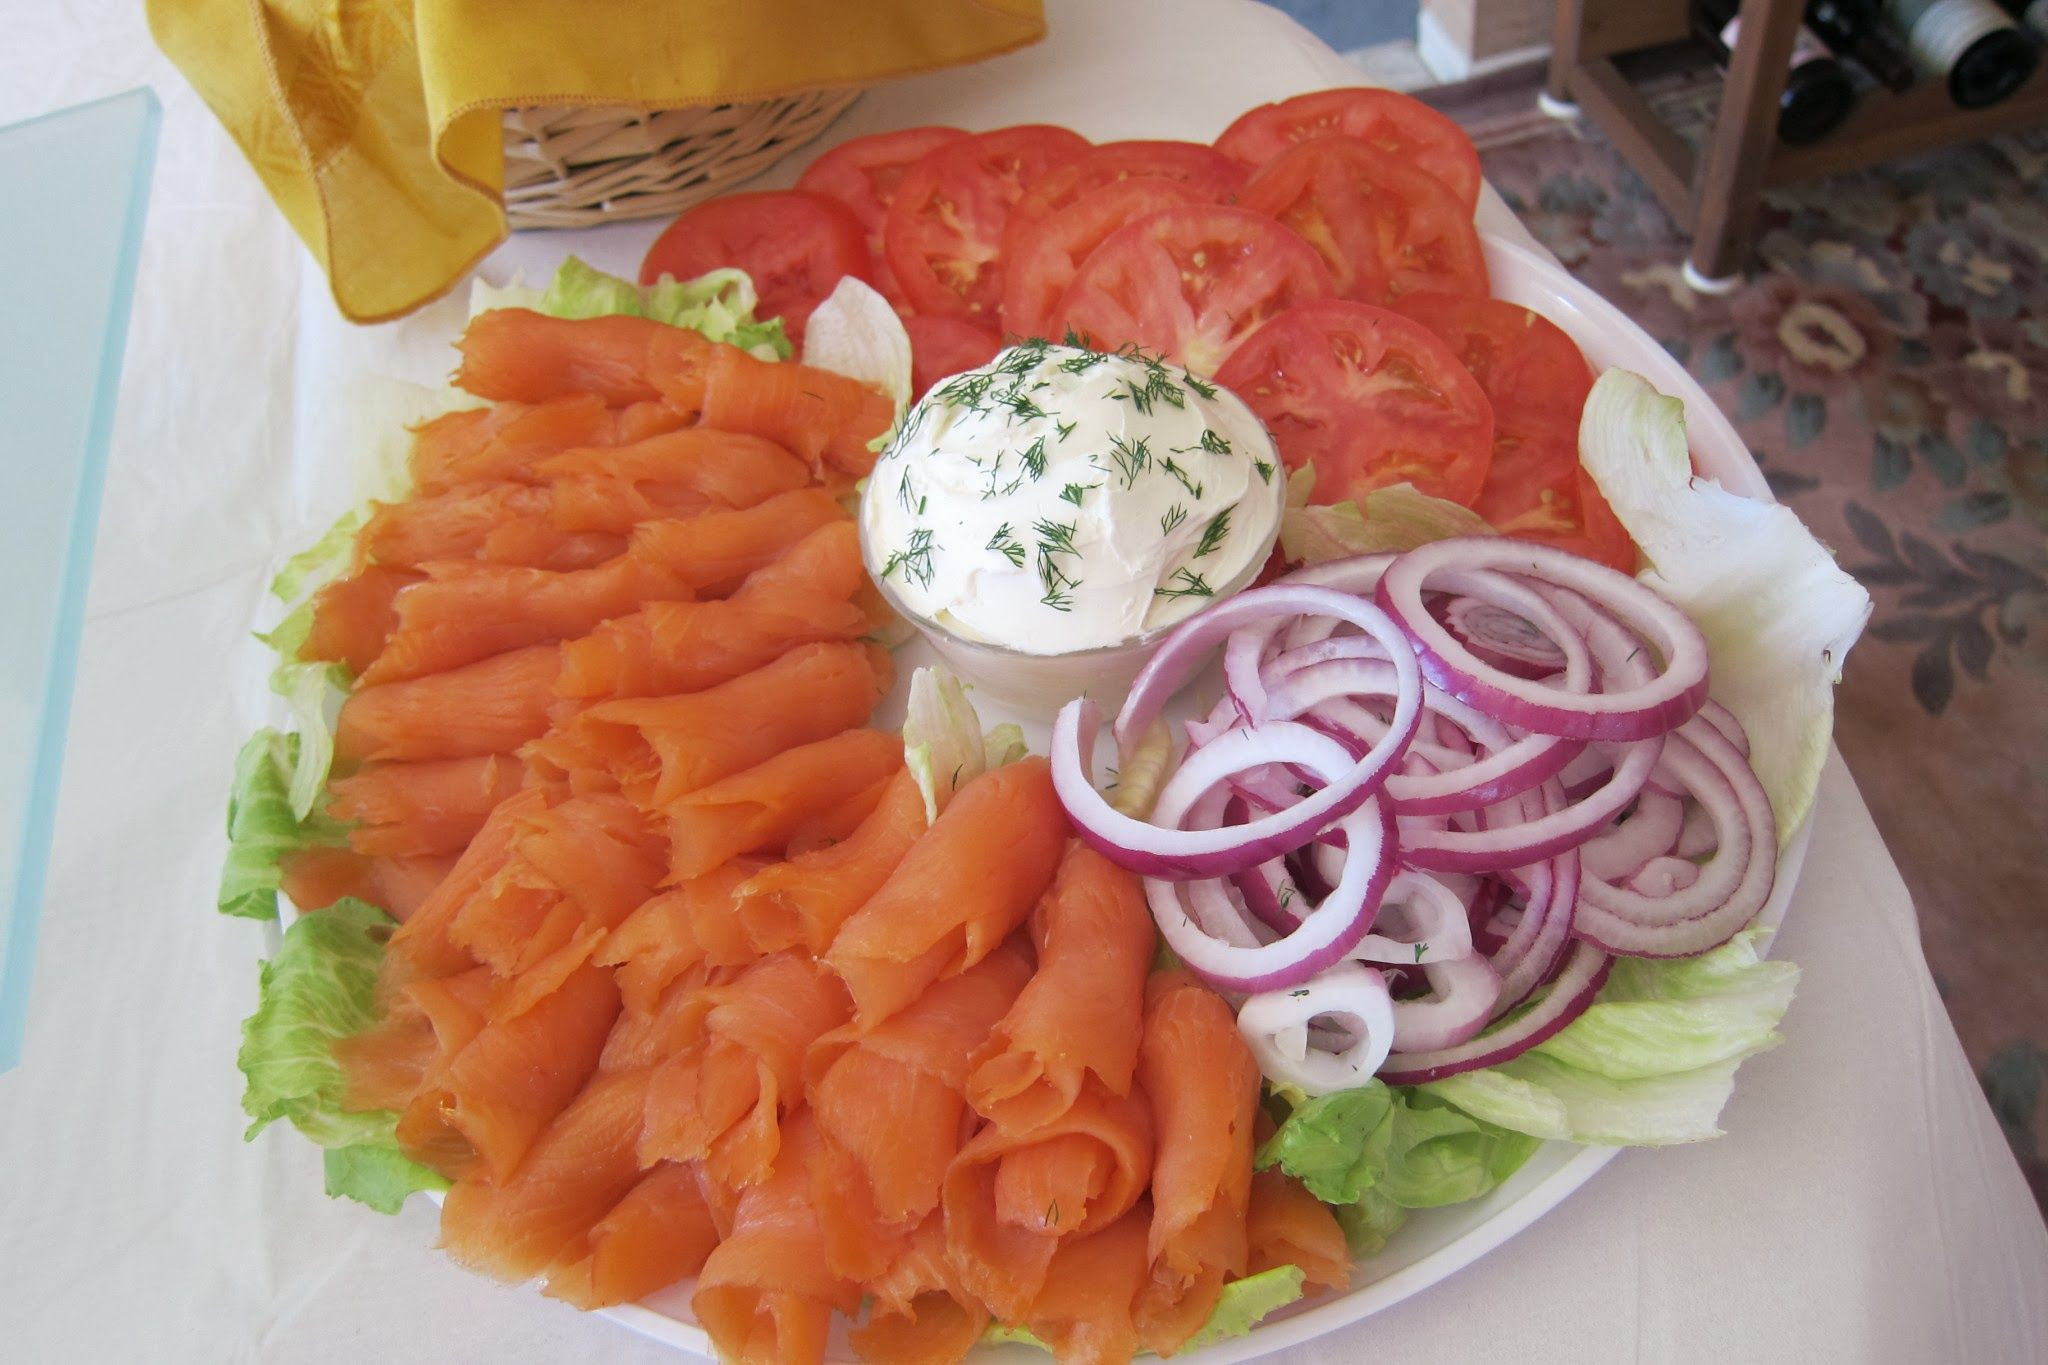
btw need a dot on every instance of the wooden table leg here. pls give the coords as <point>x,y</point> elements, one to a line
<point>1564,52</point>
<point>1745,133</point>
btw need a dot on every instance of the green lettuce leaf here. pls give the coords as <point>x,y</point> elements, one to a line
<point>319,987</point>
<point>1369,1223</point>
<point>1779,615</point>
<point>1651,1062</point>
<point>720,304</point>
<point>943,744</point>
<point>1243,1305</point>
<point>263,827</point>
<point>314,693</point>
<point>1407,1149</point>
<point>320,563</point>
<point>856,333</point>
<point>1385,520</point>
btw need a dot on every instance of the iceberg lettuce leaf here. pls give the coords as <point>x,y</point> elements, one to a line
<point>1779,614</point>
<point>1386,520</point>
<point>263,827</point>
<point>1242,1306</point>
<point>942,741</point>
<point>1410,1148</point>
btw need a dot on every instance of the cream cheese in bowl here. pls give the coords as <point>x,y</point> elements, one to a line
<point>1045,518</point>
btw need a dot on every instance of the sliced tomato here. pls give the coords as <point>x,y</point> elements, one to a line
<point>793,244</point>
<point>943,346</point>
<point>1523,360</point>
<point>1369,398</point>
<point>1041,260</point>
<point>1384,228</point>
<point>1536,489</point>
<point>1191,282</point>
<point>1207,173</point>
<point>1395,123</point>
<point>863,174</point>
<point>944,233</point>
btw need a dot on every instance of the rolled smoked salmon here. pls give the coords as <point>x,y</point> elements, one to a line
<point>491,444</point>
<point>715,552</point>
<point>958,892</point>
<point>514,353</point>
<point>489,707</point>
<point>722,1099</point>
<point>421,946</point>
<point>314,878</point>
<point>678,929</point>
<point>1286,1225</point>
<point>803,901</point>
<point>759,809</point>
<point>1204,1086</point>
<point>353,616</point>
<point>1081,1015</point>
<point>659,748</point>
<point>921,1314</point>
<point>660,1232</point>
<point>1011,1198</point>
<point>1084,1311</point>
<point>822,417</point>
<point>718,468</point>
<point>411,809</point>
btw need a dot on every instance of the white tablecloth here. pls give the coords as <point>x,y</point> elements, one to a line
<point>1862,1207</point>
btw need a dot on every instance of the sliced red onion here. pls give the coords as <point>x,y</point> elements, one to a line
<point>1650,831</point>
<point>1670,698</point>
<point>1498,636</point>
<point>1587,771</point>
<point>1360,573</point>
<point>1270,894</point>
<point>1730,889</point>
<point>1722,719</point>
<point>1462,995</point>
<point>1421,921</point>
<point>1531,841</point>
<point>1696,837</point>
<point>1584,972</point>
<point>1276,1026</point>
<point>1664,877</point>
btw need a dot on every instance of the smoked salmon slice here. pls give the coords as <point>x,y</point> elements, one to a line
<point>1011,1198</point>
<point>822,417</point>
<point>669,647</point>
<point>1084,1311</point>
<point>1204,1086</point>
<point>489,707</point>
<point>353,616</point>
<point>412,809</point>
<point>1286,1225</point>
<point>484,1105</point>
<point>958,892</point>
<point>671,1022</point>
<point>888,1101</point>
<point>1081,1014</point>
<point>715,552</point>
<point>760,809</point>
<point>315,878</point>
<point>514,353</point>
<point>765,1294</point>
<point>722,1099</point>
<point>465,611</point>
<point>421,946</point>
<point>678,929</point>
<point>488,445</point>
<point>827,561</point>
<point>920,1314</point>
<point>716,468</point>
<point>659,748</point>
<point>428,1021</point>
<point>803,901</point>
<point>660,1232</point>
<point>576,1172</point>
<point>450,525</point>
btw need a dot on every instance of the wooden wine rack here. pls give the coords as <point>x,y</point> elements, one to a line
<point>1714,195</point>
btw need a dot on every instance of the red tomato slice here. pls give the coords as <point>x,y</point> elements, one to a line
<point>1367,397</point>
<point>1524,361</point>
<point>794,245</point>
<point>1209,176</point>
<point>863,175</point>
<point>1191,282</point>
<point>1396,124</point>
<point>945,346</point>
<point>1536,489</point>
<point>1041,260</point>
<point>944,234</point>
<point>1384,228</point>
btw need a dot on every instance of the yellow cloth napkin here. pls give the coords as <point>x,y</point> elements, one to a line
<point>375,124</point>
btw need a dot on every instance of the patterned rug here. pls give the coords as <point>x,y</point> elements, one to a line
<point>1887,362</point>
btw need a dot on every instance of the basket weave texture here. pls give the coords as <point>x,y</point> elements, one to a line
<point>573,167</point>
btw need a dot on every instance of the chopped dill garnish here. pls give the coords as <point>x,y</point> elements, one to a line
<point>1420,949</point>
<point>1214,533</point>
<point>1056,538</point>
<point>1185,583</point>
<point>1007,545</point>
<point>1073,492</point>
<point>915,561</point>
<point>1081,364</point>
<point>1065,429</point>
<point>1167,466</point>
<point>1265,468</point>
<point>1175,515</point>
<point>1034,457</point>
<point>1021,407</point>
<point>1200,386</point>
<point>1058,535</point>
<point>1214,443</point>
<point>965,390</point>
<point>906,495</point>
<point>1132,457</point>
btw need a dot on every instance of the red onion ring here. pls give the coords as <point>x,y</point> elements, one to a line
<point>1584,972</point>
<point>1276,1025</point>
<point>1461,999</point>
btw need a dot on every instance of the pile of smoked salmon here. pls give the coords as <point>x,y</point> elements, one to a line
<point>687,983</point>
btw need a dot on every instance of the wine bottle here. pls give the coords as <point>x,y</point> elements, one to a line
<point>1818,92</point>
<point>1971,44</point>
<point>1856,29</point>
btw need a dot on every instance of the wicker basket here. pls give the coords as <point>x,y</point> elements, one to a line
<point>574,167</point>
